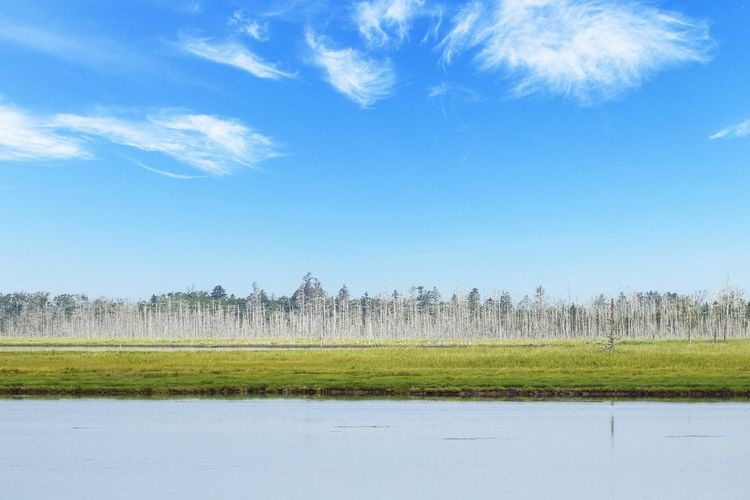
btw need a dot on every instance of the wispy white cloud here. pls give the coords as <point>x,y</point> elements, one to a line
<point>465,32</point>
<point>586,49</point>
<point>194,7</point>
<point>94,51</point>
<point>24,137</point>
<point>295,10</point>
<point>383,21</point>
<point>165,173</point>
<point>437,22</point>
<point>363,80</point>
<point>741,129</point>
<point>448,96</point>
<point>443,89</point>
<point>59,45</point>
<point>232,54</point>
<point>438,90</point>
<point>214,145</point>
<point>253,28</point>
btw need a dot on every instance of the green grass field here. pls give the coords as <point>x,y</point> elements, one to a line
<point>558,369</point>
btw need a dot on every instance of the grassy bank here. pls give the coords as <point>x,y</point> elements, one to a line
<point>569,369</point>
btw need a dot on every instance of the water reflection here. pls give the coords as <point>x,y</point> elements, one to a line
<point>372,449</point>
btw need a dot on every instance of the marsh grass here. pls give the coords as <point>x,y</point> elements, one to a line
<point>663,368</point>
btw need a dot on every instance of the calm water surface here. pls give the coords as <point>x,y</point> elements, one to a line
<point>295,449</point>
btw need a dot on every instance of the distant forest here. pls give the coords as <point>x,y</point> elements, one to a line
<point>421,313</point>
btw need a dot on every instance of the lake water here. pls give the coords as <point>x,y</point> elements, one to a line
<point>333,449</point>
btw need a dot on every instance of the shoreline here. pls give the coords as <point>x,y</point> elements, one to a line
<point>510,394</point>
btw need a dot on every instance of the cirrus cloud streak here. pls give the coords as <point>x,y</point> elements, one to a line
<point>384,21</point>
<point>362,79</point>
<point>232,54</point>
<point>25,137</point>
<point>211,144</point>
<point>741,129</point>
<point>585,49</point>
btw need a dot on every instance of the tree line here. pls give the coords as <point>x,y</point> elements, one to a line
<point>310,312</point>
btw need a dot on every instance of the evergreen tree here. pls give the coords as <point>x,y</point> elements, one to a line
<point>218,293</point>
<point>309,291</point>
<point>342,299</point>
<point>474,301</point>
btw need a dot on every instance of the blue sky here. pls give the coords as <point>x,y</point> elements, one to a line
<point>591,147</point>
